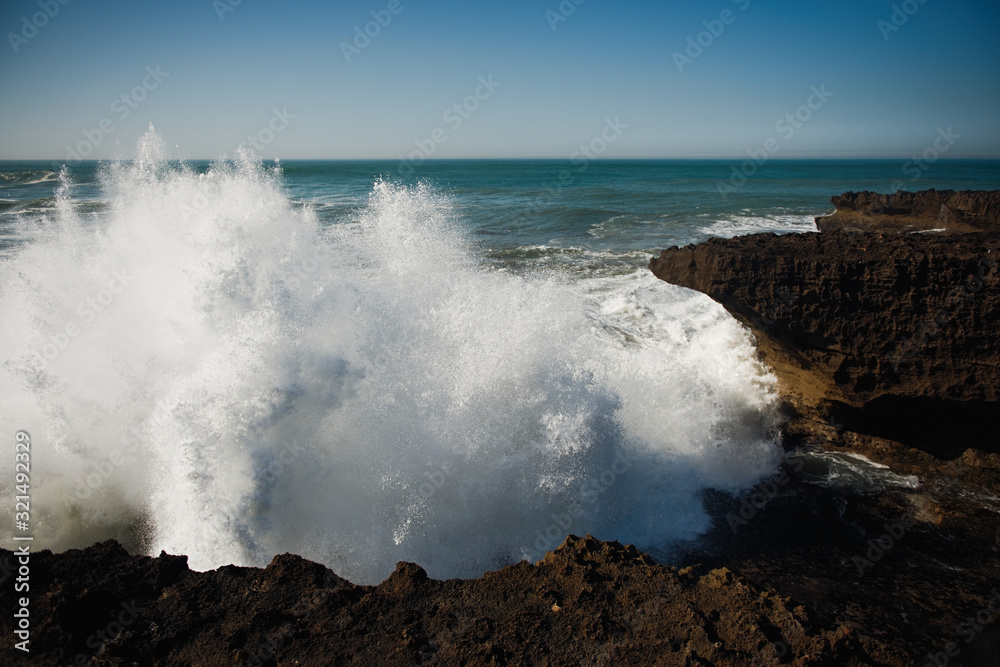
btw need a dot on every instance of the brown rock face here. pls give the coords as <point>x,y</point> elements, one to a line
<point>596,602</point>
<point>965,211</point>
<point>893,335</point>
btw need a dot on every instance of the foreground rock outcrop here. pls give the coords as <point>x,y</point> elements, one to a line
<point>587,602</point>
<point>872,328</point>
<point>792,573</point>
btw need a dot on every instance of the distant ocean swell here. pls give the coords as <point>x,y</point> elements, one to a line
<point>243,380</point>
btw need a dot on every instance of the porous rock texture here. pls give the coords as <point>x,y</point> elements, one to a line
<point>587,602</point>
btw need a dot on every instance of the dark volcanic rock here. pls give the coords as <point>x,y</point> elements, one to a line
<point>893,336</point>
<point>588,602</point>
<point>910,566</point>
<point>883,336</point>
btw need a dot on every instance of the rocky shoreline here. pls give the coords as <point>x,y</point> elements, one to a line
<point>884,336</point>
<point>882,330</point>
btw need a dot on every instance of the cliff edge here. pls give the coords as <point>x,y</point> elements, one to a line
<point>929,210</point>
<point>883,335</point>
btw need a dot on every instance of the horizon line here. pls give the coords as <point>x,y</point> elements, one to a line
<point>519,159</point>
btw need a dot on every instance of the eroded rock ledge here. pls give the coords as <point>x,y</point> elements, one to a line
<point>884,336</point>
<point>587,602</point>
<point>943,210</point>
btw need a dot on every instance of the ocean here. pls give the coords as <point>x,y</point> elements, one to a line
<point>363,362</point>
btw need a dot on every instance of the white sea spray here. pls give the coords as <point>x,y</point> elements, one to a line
<point>205,364</point>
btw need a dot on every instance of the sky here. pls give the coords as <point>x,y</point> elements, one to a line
<point>514,79</point>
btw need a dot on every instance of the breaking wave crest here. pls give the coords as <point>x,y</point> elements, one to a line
<point>206,369</point>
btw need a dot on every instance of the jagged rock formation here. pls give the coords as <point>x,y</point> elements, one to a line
<point>811,577</point>
<point>588,602</point>
<point>891,334</point>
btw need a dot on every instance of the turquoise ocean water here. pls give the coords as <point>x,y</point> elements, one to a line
<point>538,209</point>
<point>455,367</point>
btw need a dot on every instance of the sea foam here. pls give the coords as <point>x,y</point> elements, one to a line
<point>205,369</point>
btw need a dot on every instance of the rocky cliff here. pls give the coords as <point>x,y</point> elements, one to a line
<point>942,210</point>
<point>884,331</point>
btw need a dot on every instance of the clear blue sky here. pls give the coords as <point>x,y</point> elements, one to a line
<point>892,90</point>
